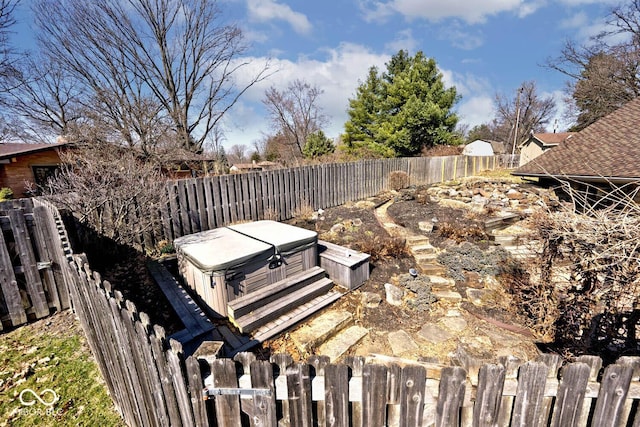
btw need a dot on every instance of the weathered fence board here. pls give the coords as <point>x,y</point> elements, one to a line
<point>490,385</point>
<point>28,262</point>
<point>570,396</point>
<point>613,392</point>
<point>336,395</point>
<point>9,285</point>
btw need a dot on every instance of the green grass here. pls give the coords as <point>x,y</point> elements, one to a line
<point>52,354</point>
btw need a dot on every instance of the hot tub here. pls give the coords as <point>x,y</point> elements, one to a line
<point>225,263</point>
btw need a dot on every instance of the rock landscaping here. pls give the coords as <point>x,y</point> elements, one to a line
<point>455,237</point>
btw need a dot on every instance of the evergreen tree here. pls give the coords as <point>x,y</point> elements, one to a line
<point>401,111</point>
<point>318,145</point>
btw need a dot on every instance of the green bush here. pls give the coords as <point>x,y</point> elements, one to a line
<point>6,194</point>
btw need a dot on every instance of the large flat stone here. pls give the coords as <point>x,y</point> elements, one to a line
<point>337,346</point>
<point>321,329</point>
<point>454,323</point>
<point>450,296</point>
<point>442,282</point>
<point>430,267</point>
<point>401,342</point>
<point>434,333</point>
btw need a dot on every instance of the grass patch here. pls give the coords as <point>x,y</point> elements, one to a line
<point>52,354</point>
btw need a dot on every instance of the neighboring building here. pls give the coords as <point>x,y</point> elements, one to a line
<point>253,167</point>
<point>478,148</point>
<point>538,143</point>
<point>498,147</point>
<point>21,164</point>
<point>606,152</point>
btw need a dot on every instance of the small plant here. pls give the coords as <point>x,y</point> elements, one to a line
<point>165,247</point>
<point>420,286</point>
<point>468,257</point>
<point>271,214</point>
<point>6,194</point>
<point>398,180</point>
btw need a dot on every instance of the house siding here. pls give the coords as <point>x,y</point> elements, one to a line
<point>16,174</point>
<point>530,151</point>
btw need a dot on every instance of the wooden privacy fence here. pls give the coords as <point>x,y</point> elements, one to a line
<point>33,272</point>
<point>153,383</point>
<point>199,204</point>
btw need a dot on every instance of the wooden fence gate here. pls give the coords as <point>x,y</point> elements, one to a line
<point>33,273</point>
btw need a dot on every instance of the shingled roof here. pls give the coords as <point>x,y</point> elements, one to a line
<point>10,149</point>
<point>609,148</point>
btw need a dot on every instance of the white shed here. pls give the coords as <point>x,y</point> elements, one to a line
<point>478,148</point>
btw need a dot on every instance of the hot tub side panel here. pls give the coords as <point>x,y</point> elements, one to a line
<point>209,290</point>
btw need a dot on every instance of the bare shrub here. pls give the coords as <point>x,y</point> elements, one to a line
<point>111,189</point>
<point>461,234</point>
<point>382,247</point>
<point>304,211</point>
<point>599,251</point>
<point>533,302</point>
<point>398,180</point>
<point>271,214</point>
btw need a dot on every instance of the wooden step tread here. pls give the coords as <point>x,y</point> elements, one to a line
<point>246,304</point>
<point>287,320</point>
<point>281,306</point>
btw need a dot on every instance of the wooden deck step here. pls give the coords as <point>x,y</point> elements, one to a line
<point>283,305</point>
<point>246,304</point>
<point>289,319</point>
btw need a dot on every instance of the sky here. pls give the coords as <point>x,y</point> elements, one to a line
<point>482,47</point>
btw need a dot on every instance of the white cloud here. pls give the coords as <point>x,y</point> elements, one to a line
<point>338,74</point>
<point>435,10</point>
<point>404,40</point>
<point>268,10</point>
<point>560,121</point>
<point>476,110</point>
<point>578,20</point>
<point>461,38</point>
<point>584,2</point>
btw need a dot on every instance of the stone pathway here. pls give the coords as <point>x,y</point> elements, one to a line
<point>453,332</point>
<point>456,328</point>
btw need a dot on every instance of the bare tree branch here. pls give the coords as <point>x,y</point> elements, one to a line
<point>145,62</point>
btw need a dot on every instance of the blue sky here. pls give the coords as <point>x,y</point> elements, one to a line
<point>481,46</point>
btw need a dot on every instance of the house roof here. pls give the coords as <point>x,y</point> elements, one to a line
<point>498,146</point>
<point>13,149</point>
<point>608,148</point>
<point>553,138</point>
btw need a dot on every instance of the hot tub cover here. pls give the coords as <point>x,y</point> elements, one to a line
<point>230,247</point>
<point>286,238</point>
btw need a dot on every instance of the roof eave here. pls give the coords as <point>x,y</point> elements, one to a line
<point>583,178</point>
